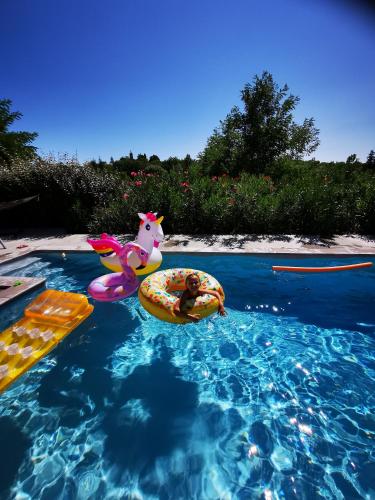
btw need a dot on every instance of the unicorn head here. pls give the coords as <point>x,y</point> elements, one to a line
<point>150,232</point>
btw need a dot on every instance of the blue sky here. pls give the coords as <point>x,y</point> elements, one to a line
<point>97,78</point>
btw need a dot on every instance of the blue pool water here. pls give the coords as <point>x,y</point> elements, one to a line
<point>274,401</point>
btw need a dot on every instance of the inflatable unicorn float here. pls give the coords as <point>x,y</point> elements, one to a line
<point>142,256</point>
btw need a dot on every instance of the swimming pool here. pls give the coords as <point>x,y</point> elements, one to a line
<point>274,401</point>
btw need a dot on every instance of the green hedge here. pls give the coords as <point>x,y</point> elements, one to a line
<point>69,192</point>
<point>296,197</point>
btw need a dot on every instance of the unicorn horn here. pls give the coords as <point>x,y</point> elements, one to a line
<point>160,220</point>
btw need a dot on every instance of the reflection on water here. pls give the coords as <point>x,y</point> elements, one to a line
<point>260,404</point>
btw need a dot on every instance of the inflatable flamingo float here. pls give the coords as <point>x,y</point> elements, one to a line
<point>117,286</point>
<point>150,235</point>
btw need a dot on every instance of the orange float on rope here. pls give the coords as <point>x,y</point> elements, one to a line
<point>321,269</point>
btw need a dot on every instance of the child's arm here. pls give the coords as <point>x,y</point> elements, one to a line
<point>220,309</point>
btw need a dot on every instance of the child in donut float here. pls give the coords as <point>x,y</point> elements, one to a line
<point>200,297</point>
<point>189,296</point>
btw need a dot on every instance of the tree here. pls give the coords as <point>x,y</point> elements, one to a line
<point>187,161</point>
<point>262,133</point>
<point>370,162</point>
<point>352,159</point>
<point>101,163</point>
<point>126,163</point>
<point>13,144</point>
<point>142,160</point>
<point>171,162</point>
<point>154,159</point>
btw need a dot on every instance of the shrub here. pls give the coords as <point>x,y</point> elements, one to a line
<point>299,197</point>
<point>68,191</point>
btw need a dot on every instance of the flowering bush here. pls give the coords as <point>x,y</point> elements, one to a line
<point>296,198</point>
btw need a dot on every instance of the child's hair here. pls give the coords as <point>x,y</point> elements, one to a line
<point>189,276</point>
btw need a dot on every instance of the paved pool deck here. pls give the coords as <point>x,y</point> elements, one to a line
<point>287,244</point>
<point>12,287</point>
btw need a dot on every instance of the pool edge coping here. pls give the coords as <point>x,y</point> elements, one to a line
<point>282,252</point>
<point>205,244</point>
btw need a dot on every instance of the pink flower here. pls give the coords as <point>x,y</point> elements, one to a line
<point>133,174</point>
<point>184,184</point>
<point>138,183</point>
<point>125,196</point>
<point>214,178</point>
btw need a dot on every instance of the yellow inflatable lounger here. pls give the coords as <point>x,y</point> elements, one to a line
<point>47,320</point>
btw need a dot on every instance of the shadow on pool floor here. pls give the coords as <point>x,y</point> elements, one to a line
<point>14,445</point>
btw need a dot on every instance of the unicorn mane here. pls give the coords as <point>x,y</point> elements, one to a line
<point>151,216</point>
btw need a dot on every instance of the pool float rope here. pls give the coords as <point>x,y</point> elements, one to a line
<point>156,294</point>
<point>348,267</point>
<point>117,286</point>
<point>150,235</point>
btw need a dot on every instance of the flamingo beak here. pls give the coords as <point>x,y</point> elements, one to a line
<point>143,263</point>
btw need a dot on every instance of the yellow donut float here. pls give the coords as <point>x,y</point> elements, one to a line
<point>156,294</point>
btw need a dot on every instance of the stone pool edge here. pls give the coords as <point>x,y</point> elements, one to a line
<point>220,244</point>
